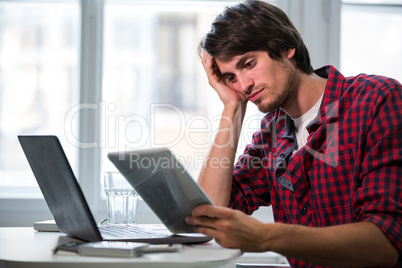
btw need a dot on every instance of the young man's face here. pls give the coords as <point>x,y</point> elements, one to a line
<point>265,82</point>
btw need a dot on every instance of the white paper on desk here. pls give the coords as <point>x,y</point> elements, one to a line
<point>162,248</point>
<point>46,226</point>
<point>112,249</point>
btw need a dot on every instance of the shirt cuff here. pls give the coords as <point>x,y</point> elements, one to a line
<point>390,227</point>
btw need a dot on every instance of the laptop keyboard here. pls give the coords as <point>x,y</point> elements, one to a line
<point>129,231</point>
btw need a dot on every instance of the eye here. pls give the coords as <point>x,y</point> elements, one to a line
<point>231,78</point>
<point>250,64</point>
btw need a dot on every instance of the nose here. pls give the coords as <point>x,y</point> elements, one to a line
<point>245,84</point>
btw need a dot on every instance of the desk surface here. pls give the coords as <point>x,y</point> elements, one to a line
<point>25,247</point>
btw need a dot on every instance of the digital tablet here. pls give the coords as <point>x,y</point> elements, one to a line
<point>163,183</point>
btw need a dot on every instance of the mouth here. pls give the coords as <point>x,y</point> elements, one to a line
<point>253,97</point>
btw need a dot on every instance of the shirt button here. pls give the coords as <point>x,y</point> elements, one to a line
<point>304,211</point>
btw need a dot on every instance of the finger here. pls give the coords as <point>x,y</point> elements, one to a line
<point>212,212</point>
<point>220,238</point>
<point>201,221</point>
<point>207,231</point>
<point>204,59</point>
<point>208,66</point>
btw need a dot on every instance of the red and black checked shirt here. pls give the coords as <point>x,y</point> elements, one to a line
<point>350,170</point>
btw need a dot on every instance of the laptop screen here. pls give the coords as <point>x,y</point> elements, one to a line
<point>59,186</point>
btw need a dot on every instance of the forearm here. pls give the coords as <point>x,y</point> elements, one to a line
<point>358,244</point>
<point>216,175</point>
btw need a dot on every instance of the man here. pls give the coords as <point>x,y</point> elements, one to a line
<point>328,156</point>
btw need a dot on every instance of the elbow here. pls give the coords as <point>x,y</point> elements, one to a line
<point>392,259</point>
<point>383,251</point>
<point>389,257</point>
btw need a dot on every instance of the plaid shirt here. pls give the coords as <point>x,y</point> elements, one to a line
<point>350,170</point>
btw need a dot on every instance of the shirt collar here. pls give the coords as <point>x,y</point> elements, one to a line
<point>332,93</point>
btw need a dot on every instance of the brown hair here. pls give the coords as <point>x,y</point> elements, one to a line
<point>255,26</point>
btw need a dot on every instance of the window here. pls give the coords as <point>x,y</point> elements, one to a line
<point>39,74</point>
<point>370,38</point>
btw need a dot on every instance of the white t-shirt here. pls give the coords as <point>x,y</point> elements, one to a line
<point>302,122</point>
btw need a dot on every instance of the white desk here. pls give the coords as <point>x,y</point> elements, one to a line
<point>25,247</point>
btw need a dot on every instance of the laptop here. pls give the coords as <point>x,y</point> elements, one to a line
<point>67,203</point>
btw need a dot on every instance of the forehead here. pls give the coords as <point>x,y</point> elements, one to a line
<point>233,62</point>
<point>234,58</point>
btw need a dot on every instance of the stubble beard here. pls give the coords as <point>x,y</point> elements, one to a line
<point>280,99</point>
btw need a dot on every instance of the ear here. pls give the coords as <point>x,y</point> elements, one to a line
<point>290,53</point>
